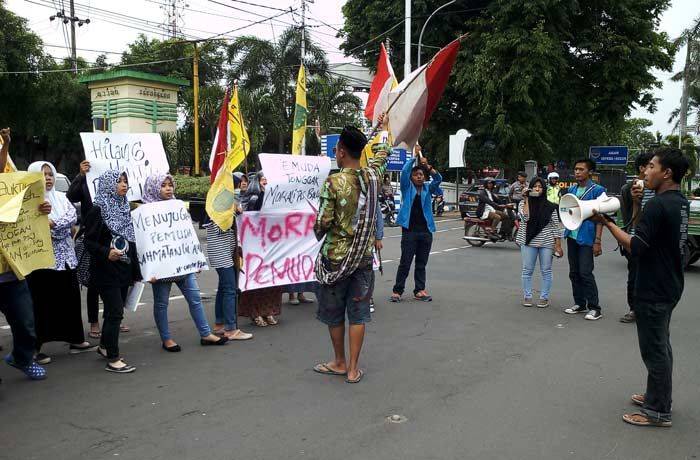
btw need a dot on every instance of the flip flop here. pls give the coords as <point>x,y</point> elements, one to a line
<point>360,374</point>
<point>639,419</point>
<point>124,329</point>
<point>322,368</point>
<point>423,298</point>
<point>94,335</point>
<point>395,299</point>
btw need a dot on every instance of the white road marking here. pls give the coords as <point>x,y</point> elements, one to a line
<point>435,252</point>
<point>450,249</point>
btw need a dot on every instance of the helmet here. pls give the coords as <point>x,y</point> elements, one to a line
<point>552,175</point>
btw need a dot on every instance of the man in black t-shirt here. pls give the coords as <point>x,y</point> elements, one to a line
<point>657,244</point>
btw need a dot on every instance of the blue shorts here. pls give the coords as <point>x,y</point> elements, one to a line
<point>349,296</point>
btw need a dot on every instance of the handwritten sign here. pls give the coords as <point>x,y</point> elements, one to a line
<point>139,154</point>
<point>279,248</point>
<point>293,181</point>
<point>25,238</point>
<point>166,241</point>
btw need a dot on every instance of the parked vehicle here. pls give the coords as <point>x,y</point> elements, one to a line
<point>692,252</point>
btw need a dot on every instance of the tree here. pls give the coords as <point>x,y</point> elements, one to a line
<point>542,80</point>
<point>332,102</point>
<point>690,74</point>
<point>271,68</point>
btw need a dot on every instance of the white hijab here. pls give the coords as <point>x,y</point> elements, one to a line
<point>58,200</point>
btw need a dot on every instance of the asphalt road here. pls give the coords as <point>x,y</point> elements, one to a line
<point>472,375</point>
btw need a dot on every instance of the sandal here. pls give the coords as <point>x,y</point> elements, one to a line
<point>639,419</point>
<point>637,399</point>
<point>422,296</point>
<point>395,298</point>
<point>124,329</point>
<point>259,321</point>
<point>33,370</point>
<point>271,321</point>
<point>126,369</point>
<point>323,368</point>
<point>94,334</point>
<point>240,335</point>
<point>360,374</point>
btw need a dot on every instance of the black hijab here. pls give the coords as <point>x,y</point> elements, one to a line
<point>540,210</point>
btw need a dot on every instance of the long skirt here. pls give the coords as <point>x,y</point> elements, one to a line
<point>57,313</point>
<point>260,302</point>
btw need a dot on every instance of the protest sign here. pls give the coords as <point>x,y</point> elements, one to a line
<point>25,238</point>
<point>139,154</point>
<point>293,182</point>
<point>166,241</point>
<point>279,248</point>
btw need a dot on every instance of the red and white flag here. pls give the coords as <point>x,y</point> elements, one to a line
<point>384,81</point>
<point>418,95</point>
<point>221,141</point>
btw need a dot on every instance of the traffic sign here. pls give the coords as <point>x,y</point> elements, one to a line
<point>615,155</point>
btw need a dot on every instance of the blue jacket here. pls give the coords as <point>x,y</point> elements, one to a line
<point>586,232</point>
<point>408,193</point>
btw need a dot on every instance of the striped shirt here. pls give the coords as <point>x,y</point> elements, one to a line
<point>544,239</point>
<point>221,245</point>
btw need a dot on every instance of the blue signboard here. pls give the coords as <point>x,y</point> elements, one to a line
<point>611,155</point>
<point>395,161</point>
<point>328,143</point>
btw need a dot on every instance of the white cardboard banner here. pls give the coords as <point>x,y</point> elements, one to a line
<point>279,248</point>
<point>139,154</point>
<point>166,241</point>
<point>293,181</point>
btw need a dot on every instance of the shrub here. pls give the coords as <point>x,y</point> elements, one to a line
<point>188,187</point>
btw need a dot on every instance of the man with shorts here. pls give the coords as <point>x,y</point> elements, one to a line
<point>347,218</point>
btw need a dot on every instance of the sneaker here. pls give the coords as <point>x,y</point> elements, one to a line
<point>575,309</point>
<point>527,301</point>
<point>628,318</point>
<point>42,358</point>
<point>593,315</point>
<point>543,303</point>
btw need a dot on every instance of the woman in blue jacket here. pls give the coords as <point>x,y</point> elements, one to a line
<point>417,224</point>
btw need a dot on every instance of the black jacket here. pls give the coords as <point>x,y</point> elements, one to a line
<point>79,192</point>
<point>104,272</point>
<point>484,200</point>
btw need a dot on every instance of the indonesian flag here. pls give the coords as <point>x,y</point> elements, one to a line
<point>416,97</point>
<point>384,81</point>
<point>221,141</point>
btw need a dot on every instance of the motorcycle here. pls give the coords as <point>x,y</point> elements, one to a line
<point>388,208</point>
<point>438,205</point>
<point>478,232</point>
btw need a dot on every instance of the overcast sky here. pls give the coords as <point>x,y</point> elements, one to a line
<point>114,24</point>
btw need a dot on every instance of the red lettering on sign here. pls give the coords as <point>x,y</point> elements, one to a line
<point>248,225</point>
<point>275,233</point>
<point>292,222</point>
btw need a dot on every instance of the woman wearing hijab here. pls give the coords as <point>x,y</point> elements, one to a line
<point>162,187</point>
<point>222,249</point>
<point>108,226</point>
<point>539,235</point>
<point>260,305</point>
<point>58,321</point>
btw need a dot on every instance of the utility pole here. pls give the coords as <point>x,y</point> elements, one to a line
<point>72,18</point>
<point>407,40</point>
<point>303,57</point>
<point>195,84</point>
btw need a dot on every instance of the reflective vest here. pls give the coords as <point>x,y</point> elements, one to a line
<point>553,194</point>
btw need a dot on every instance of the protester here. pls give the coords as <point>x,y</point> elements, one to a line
<point>160,187</point>
<point>57,322</point>
<point>112,271</point>
<point>490,208</point>
<point>553,189</point>
<point>79,192</point>
<point>260,305</point>
<point>583,245</point>
<point>658,243</point>
<point>347,218</point>
<point>16,302</point>
<point>515,192</point>
<point>539,236</point>
<point>631,205</point>
<point>417,224</point>
<point>222,249</point>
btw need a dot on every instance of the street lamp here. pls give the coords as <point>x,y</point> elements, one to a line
<point>420,37</point>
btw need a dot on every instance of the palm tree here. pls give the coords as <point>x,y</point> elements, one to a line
<point>331,101</point>
<point>693,109</point>
<point>270,69</point>
<point>691,71</point>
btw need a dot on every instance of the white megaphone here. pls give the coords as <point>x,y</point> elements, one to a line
<point>573,211</point>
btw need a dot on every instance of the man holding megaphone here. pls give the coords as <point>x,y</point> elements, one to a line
<point>583,244</point>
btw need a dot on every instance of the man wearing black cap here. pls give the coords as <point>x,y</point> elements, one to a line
<point>347,218</point>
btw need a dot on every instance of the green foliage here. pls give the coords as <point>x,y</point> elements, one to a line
<point>541,79</point>
<point>191,187</point>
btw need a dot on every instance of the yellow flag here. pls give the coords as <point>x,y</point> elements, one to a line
<point>220,197</point>
<point>300,112</point>
<point>382,137</point>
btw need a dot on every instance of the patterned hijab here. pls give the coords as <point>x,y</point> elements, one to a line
<point>151,190</point>
<point>115,210</point>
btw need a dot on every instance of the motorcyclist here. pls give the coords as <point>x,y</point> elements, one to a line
<point>553,190</point>
<point>491,208</point>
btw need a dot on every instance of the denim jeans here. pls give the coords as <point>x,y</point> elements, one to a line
<point>16,305</point>
<point>530,255</point>
<point>413,244</point>
<point>653,320</point>
<point>190,289</point>
<point>583,282</point>
<point>225,305</point>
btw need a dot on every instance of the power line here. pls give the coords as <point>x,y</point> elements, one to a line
<point>258,5</point>
<point>110,67</point>
<point>377,37</point>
